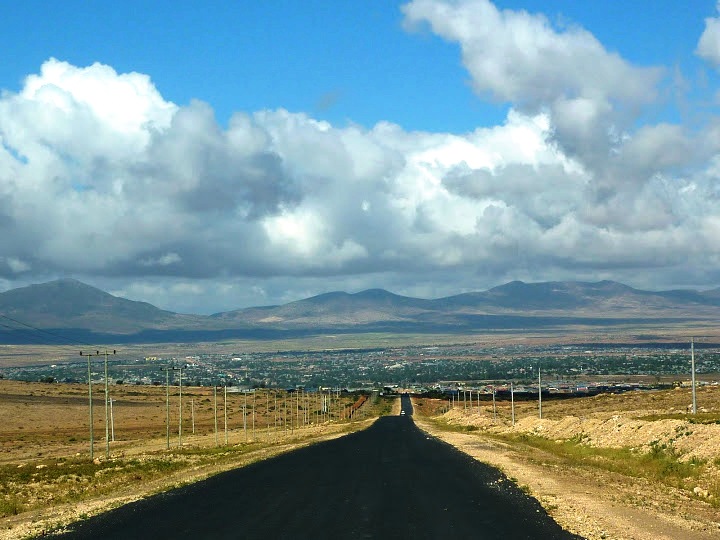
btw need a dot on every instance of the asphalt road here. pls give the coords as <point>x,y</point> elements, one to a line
<point>391,480</point>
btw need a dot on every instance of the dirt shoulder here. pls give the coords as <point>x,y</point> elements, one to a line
<point>587,499</point>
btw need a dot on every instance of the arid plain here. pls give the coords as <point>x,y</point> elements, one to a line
<point>633,466</point>
<point>48,479</point>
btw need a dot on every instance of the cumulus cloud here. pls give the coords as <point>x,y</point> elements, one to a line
<point>103,179</point>
<point>522,58</point>
<point>708,46</point>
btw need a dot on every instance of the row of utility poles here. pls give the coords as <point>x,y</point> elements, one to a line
<point>512,392</point>
<point>324,404</point>
<point>451,401</point>
<point>290,415</point>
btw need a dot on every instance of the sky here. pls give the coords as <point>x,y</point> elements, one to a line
<point>205,158</point>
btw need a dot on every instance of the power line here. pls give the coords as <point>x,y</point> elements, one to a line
<point>43,331</point>
<point>30,336</point>
<point>38,339</point>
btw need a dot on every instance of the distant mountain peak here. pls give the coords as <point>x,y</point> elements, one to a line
<point>375,293</point>
<point>69,280</point>
<point>67,302</point>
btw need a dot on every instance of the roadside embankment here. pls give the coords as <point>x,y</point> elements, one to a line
<point>625,467</point>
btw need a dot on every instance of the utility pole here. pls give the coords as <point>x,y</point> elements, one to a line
<point>167,408</point>
<point>107,418</point>
<point>180,423</point>
<point>225,412</point>
<point>494,406</point>
<point>215,411</point>
<point>92,436</point>
<point>512,402</point>
<point>245,415</point>
<point>167,370</point>
<point>107,406</point>
<point>112,421</point>
<point>539,394</point>
<point>692,367</point>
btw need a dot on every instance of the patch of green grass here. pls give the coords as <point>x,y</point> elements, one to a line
<point>383,405</point>
<point>714,491</point>
<point>10,505</point>
<point>73,480</point>
<point>455,428</point>
<point>660,464</point>
<point>699,418</point>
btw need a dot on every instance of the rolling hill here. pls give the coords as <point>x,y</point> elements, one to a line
<point>566,299</point>
<point>70,305</point>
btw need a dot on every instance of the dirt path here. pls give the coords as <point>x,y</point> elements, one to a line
<point>592,504</point>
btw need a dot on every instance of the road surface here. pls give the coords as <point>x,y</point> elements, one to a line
<point>391,480</point>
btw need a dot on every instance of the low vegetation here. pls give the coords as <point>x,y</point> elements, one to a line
<point>46,483</point>
<point>661,464</point>
<point>595,461</point>
<point>47,478</point>
<point>699,418</point>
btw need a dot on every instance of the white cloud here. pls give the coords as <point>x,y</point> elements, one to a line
<point>708,46</point>
<point>127,103</point>
<point>522,58</point>
<point>102,178</point>
<point>16,265</point>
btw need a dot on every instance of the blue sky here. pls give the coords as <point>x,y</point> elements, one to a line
<point>339,61</point>
<point>247,153</point>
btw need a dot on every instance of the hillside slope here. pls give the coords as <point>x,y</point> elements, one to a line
<point>70,304</point>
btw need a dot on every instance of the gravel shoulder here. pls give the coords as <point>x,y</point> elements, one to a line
<point>587,500</point>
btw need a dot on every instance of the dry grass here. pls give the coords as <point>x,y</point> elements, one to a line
<point>47,477</point>
<point>52,420</point>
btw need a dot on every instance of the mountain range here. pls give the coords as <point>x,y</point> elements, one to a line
<point>74,308</point>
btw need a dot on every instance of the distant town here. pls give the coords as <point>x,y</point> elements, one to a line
<point>446,369</point>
